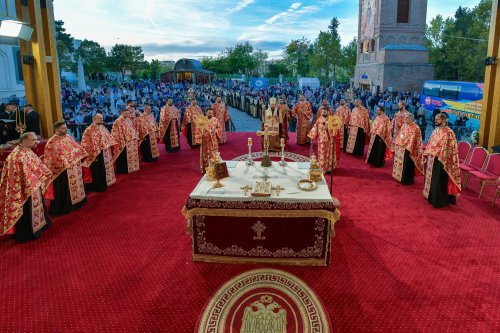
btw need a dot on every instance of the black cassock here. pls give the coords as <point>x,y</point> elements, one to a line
<point>122,162</point>
<point>24,227</point>
<point>190,136</point>
<point>377,153</point>
<point>408,175</point>
<point>62,203</point>
<point>146,154</point>
<point>346,137</point>
<point>438,193</point>
<point>167,140</point>
<point>98,170</point>
<point>359,146</point>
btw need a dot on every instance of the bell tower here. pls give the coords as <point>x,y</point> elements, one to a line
<point>391,45</point>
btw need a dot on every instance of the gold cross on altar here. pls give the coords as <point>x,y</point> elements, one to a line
<point>266,133</point>
<point>278,189</point>
<point>246,188</point>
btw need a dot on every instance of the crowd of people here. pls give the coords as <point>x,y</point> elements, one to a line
<point>106,142</point>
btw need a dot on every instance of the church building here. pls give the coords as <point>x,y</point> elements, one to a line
<point>391,45</point>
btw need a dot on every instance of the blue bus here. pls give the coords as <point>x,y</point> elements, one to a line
<point>463,101</point>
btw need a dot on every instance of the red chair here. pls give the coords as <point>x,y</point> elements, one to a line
<point>490,174</point>
<point>463,151</point>
<point>476,163</point>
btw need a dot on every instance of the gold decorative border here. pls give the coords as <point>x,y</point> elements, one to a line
<point>190,213</point>
<point>279,261</point>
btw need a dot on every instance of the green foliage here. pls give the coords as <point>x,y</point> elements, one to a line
<point>297,56</point>
<point>216,64</point>
<point>93,56</point>
<point>124,57</point>
<point>242,58</point>
<point>348,61</point>
<point>65,49</point>
<point>458,45</point>
<point>277,68</point>
<point>326,56</point>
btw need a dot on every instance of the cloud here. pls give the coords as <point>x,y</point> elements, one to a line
<point>288,12</point>
<point>240,5</point>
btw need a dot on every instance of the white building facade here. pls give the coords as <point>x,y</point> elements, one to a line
<point>11,73</point>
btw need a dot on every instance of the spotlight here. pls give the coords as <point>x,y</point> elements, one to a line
<point>9,28</point>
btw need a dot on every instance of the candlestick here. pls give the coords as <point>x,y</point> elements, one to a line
<point>282,162</point>
<point>249,157</point>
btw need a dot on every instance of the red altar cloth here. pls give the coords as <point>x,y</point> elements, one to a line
<point>291,233</point>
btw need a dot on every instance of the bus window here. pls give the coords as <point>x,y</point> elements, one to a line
<point>470,92</point>
<point>431,89</point>
<point>450,92</point>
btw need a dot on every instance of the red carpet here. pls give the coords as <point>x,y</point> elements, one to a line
<point>123,262</point>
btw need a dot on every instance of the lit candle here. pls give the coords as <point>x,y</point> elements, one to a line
<point>282,142</point>
<point>249,141</point>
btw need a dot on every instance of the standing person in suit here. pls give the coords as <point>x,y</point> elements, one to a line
<point>32,119</point>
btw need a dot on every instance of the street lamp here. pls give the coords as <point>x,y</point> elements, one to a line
<point>16,29</point>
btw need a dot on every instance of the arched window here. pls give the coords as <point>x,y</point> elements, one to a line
<point>403,11</point>
<point>372,45</point>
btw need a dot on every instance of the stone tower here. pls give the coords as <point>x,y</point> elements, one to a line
<point>391,45</point>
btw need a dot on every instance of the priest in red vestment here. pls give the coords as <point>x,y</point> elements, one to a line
<point>325,136</point>
<point>148,135</point>
<point>97,142</point>
<point>220,112</point>
<point>284,112</point>
<point>63,156</point>
<point>442,174</point>
<point>170,121</point>
<point>189,122</point>
<point>23,179</point>
<point>359,128</point>
<point>408,154</point>
<point>303,112</point>
<point>344,112</point>
<point>379,148</point>
<point>208,137</point>
<point>398,120</point>
<point>324,104</point>
<point>126,151</point>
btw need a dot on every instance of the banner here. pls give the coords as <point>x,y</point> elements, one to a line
<point>259,83</point>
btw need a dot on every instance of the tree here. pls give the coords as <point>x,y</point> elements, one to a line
<point>216,64</point>
<point>458,45</point>
<point>240,59</point>
<point>124,57</point>
<point>348,61</point>
<point>93,56</point>
<point>277,68</point>
<point>297,56</point>
<point>326,54</point>
<point>259,59</point>
<point>64,47</point>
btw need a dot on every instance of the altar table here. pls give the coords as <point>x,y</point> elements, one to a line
<point>294,228</point>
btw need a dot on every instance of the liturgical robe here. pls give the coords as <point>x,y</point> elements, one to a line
<point>22,210</point>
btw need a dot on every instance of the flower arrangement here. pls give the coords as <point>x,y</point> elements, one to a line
<point>474,137</point>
